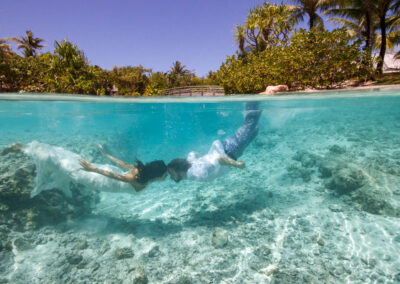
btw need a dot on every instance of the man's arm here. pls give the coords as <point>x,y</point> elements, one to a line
<point>226,161</point>
<point>115,160</point>
<point>90,168</point>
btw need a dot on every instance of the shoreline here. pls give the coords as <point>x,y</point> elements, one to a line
<point>305,94</point>
<point>348,88</point>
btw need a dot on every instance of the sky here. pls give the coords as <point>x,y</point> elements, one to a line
<point>151,33</point>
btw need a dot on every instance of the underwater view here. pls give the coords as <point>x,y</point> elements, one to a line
<point>313,195</point>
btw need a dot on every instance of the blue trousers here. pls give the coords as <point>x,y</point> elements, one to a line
<point>235,145</point>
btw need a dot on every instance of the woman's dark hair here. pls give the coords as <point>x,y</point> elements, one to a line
<point>179,165</point>
<point>152,170</point>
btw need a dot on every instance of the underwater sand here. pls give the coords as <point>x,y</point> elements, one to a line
<point>318,201</point>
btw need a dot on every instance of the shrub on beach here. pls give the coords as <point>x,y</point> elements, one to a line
<point>64,71</point>
<point>316,58</point>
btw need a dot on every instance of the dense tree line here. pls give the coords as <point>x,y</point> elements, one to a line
<point>270,51</point>
<point>67,70</point>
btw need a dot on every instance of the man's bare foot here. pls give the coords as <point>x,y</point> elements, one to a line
<point>16,147</point>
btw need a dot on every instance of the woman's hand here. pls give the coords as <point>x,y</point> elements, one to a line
<point>86,166</point>
<point>241,165</point>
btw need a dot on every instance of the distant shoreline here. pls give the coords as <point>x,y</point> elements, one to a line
<point>307,94</point>
<point>347,88</point>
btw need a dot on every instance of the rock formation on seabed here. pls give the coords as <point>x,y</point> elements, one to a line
<point>370,186</point>
<point>18,211</point>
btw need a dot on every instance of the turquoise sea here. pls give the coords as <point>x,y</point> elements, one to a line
<point>318,200</point>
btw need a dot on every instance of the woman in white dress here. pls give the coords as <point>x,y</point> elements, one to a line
<point>57,168</point>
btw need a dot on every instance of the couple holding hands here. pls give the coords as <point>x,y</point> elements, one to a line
<point>58,167</point>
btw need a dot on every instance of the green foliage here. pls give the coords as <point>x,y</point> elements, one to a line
<point>315,58</point>
<point>28,43</point>
<point>130,81</point>
<point>268,56</point>
<point>311,8</point>
<point>179,76</point>
<point>157,83</point>
<point>266,26</point>
<point>70,70</point>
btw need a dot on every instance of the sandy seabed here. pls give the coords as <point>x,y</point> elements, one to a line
<point>318,202</point>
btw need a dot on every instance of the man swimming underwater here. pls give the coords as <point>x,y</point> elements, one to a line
<point>221,155</point>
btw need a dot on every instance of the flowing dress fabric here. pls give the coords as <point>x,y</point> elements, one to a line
<point>207,167</point>
<point>58,168</point>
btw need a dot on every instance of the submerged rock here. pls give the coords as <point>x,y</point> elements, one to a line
<point>22,244</point>
<point>81,245</point>
<point>375,200</point>
<point>336,149</point>
<point>263,251</point>
<point>219,238</point>
<point>335,208</point>
<point>295,172</point>
<point>182,279</point>
<point>326,168</point>
<point>74,259</point>
<point>123,253</point>
<point>306,159</point>
<point>21,212</point>
<point>154,251</point>
<point>138,277</point>
<point>271,269</point>
<point>345,180</point>
<point>320,241</point>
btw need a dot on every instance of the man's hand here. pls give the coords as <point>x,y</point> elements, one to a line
<point>226,161</point>
<point>86,166</point>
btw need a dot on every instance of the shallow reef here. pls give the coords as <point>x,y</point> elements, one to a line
<point>318,201</point>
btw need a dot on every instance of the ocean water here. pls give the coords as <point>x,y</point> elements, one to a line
<point>318,200</point>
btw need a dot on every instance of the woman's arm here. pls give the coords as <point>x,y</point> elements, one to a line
<point>90,168</point>
<point>115,160</point>
<point>226,161</point>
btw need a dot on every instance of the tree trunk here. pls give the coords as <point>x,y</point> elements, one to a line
<point>370,31</point>
<point>382,52</point>
<point>312,20</point>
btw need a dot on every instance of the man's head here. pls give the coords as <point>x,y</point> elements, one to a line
<point>177,169</point>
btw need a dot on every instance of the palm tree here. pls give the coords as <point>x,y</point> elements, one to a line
<point>364,17</point>
<point>382,9</point>
<point>266,26</point>
<point>240,38</point>
<point>5,48</point>
<point>179,69</point>
<point>394,33</point>
<point>28,43</point>
<point>179,75</point>
<point>310,8</point>
<point>355,15</point>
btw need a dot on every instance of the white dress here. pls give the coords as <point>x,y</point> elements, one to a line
<point>207,167</point>
<point>57,168</point>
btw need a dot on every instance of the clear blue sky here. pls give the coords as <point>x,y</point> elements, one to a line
<point>152,33</point>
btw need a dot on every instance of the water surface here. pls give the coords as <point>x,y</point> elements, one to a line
<point>318,201</point>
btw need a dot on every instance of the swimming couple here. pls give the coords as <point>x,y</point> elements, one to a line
<point>58,167</point>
